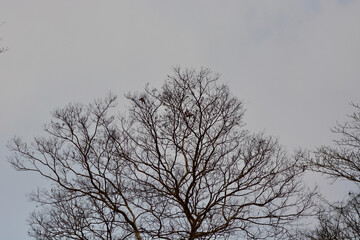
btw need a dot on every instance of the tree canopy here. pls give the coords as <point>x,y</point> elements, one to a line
<point>179,165</point>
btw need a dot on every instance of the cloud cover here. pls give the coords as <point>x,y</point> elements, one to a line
<point>294,63</point>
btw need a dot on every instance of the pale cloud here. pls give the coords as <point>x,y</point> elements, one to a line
<point>294,63</point>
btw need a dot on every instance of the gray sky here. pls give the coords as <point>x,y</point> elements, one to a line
<point>295,64</point>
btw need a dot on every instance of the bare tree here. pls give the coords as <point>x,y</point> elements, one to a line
<point>341,161</point>
<point>339,220</point>
<point>179,166</point>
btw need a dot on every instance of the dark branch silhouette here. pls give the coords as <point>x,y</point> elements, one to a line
<point>340,220</point>
<point>181,166</point>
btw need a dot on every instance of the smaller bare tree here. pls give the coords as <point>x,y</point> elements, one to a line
<point>339,220</point>
<point>341,161</point>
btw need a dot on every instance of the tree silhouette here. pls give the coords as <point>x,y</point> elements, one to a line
<point>180,165</point>
<point>339,220</point>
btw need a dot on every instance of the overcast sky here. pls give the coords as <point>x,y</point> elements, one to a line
<point>295,64</point>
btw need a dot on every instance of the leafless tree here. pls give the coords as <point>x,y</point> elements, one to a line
<point>339,220</point>
<point>341,161</point>
<point>179,166</point>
